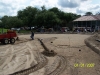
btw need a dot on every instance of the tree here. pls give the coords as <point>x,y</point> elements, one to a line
<point>65,18</point>
<point>31,16</point>
<point>88,13</point>
<point>11,22</point>
<point>55,10</point>
<point>0,23</point>
<point>47,19</point>
<point>4,20</point>
<point>14,22</point>
<point>43,8</point>
<point>28,16</point>
<point>51,19</point>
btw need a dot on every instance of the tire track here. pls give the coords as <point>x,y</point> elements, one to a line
<point>50,68</point>
<point>15,52</point>
<point>3,59</point>
<point>62,64</point>
<point>61,67</point>
<point>43,61</point>
<point>29,61</point>
<point>7,60</point>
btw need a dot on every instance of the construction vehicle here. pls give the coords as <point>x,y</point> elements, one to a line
<point>8,37</point>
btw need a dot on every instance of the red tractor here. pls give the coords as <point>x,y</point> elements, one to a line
<point>8,37</point>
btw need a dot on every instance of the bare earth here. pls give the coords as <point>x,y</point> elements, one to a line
<point>73,56</point>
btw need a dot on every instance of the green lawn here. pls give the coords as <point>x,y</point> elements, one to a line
<point>24,31</point>
<point>3,29</point>
<point>21,31</point>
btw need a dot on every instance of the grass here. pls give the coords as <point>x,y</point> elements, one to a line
<point>24,31</point>
<point>21,31</point>
<point>3,29</point>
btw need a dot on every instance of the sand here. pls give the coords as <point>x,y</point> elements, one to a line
<point>70,48</point>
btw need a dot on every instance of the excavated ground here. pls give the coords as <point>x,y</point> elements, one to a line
<point>72,56</point>
<point>95,39</point>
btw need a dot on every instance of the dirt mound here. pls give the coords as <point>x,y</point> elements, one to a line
<point>95,39</point>
<point>94,43</point>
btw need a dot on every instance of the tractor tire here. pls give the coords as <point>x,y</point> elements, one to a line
<point>12,40</point>
<point>2,42</point>
<point>5,41</point>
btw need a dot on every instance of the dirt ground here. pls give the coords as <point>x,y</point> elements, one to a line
<point>95,39</point>
<point>73,56</point>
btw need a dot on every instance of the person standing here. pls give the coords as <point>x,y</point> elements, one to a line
<point>85,30</point>
<point>32,35</point>
<point>78,31</point>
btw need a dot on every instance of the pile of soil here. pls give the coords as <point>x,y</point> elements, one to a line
<point>95,39</point>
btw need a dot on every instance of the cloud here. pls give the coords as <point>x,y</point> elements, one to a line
<point>80,11</point>
<point>84,0</point>
<point>11,7</point>
<point>74,6</point>
<point>71,3</point>
<point>46,3</point>
<point>4,8</point>
<point>95,7</point>
<point>88,7</point>
<point>68,3</point>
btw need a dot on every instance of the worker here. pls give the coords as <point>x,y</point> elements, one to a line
<point>32,35</point>
<point>78,31</point>
<point>85,30</point>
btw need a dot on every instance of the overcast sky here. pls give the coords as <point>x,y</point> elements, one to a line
<point>10,7</point>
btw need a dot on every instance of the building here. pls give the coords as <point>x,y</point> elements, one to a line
<point>91,23</point>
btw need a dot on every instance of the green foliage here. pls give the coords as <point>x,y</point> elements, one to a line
<point>47,19</point>
<point>43,9</point>
<point>4,30</point>
<point>55,10</point>
<point>24,31</point>
<point>11,22</point>
<point>88,13</point>
<point>31,16</point>
<point>28,15</point>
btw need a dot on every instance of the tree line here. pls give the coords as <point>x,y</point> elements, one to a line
<point>34,17</point>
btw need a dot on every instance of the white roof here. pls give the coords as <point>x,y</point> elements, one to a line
<point>88,18</point>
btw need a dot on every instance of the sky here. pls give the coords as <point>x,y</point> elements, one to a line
<point>80,7</point>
